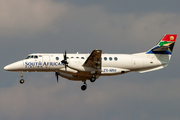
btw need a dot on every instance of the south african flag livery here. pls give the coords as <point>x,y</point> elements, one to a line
<point>165,45</point>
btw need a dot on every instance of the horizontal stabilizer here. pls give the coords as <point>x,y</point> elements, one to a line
<point>152,69</point>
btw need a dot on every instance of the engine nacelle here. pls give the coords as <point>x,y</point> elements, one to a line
<point>76,64</point>
<point>71,77</point>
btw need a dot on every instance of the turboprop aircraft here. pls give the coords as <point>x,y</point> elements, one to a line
<point>83,67</point>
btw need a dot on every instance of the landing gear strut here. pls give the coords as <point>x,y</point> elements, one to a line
<point>22,80</point>
<point>83,87</point>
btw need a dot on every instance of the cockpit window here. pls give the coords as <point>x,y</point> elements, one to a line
<point>35,56</point>
<point>31,56</point>
<point>27,57</point>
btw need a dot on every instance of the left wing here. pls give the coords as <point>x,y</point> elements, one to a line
<point>94,59</point>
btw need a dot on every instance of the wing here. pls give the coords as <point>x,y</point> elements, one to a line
<point>94,59</point>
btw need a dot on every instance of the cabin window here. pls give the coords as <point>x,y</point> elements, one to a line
<point>82,57</point>
<point>72,57</point>
<point>110,58</point>
<point>32,56</point>
<point>105,58</point>
<point>57,58</point>
<point>115,58</point>
<point>67,57</point>
<point>77,57</point>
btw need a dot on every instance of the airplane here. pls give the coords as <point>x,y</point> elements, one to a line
<point>83,67</point>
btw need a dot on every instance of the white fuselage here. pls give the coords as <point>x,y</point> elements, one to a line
<point>112,64</point>
<point>82,67</point>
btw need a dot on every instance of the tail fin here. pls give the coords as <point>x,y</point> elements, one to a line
<point>161,52</point>
<point>165,45</point>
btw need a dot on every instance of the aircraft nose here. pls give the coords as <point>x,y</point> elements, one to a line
<point>14,66</point>
<point>6,67</point>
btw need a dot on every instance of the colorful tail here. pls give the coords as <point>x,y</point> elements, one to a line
<point>161,52</point>
<point>165,46</point>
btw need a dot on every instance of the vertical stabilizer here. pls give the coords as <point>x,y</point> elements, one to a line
<point>161,53</point>
<point>165,45</point>
<point>163,50</point>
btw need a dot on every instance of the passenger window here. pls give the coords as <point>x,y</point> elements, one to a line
<point>82,57</point>
<point>115,58</point>
<point>57,58</point>
<point>67,57</point>
<point>105,58</point>
<point>72,57</point>
<point>32,56</point>
<point>110,58</point>
<point>77,57</point>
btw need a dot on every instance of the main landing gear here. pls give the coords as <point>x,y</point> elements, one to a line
<point>92,79</point>
<point>22,80</point>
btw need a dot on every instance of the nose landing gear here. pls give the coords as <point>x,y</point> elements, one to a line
<point>83,87</point>
<point>21,75</point>
<point>21,81</point>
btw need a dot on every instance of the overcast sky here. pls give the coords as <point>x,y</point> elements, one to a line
<point>126,26</point>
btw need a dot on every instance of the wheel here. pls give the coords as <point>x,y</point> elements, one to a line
<point>83,87</point>
<point>92,79</point>
<point>21,81</point>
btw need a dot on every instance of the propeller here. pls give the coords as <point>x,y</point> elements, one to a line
<point>57,74</point>
<point>65,61</point>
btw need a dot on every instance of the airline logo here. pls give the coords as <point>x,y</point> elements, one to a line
<point>167,40</point>
<point>169,37</point>
<point>40,65</point>
<point>172,38</point>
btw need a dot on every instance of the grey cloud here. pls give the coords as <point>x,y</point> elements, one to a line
<point>28,17</point>
<point>110,100</point>
<point>47,26</point>
<point>137,7</point>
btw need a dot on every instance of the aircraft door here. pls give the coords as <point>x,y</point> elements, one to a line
<point>137,63</point>
<point>45,63</point>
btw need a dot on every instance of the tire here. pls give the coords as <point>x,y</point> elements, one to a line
<point>92,79</point>
<point>83,87</point>
<point>21,81</point>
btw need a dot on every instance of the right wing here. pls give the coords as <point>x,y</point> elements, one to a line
<point>94,59</point>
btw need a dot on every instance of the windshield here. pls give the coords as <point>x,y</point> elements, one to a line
<point>27,57</point>
<point>32,56</point>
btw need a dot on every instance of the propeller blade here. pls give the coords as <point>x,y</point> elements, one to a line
<point>65,55</point>
<point>65,60</point>
<point>56,74</point>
